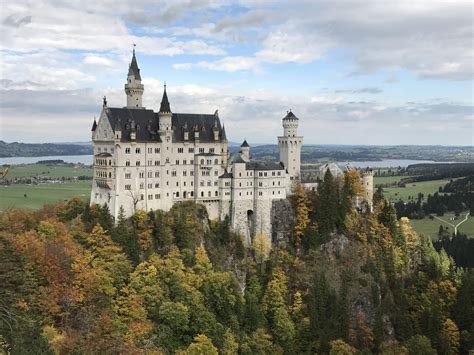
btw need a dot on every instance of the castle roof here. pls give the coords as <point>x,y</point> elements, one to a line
<point>235,157</point>
<point>263,165</point>
<point>146,125</point>
<point>165,104</point>
<point>244,144</point>
<point>226,175</point>
<point>290,115</point>
<point>133,68</point>
<point>94,126</point>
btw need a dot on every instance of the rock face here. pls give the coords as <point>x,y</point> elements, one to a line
<point>335,246</point>
<point>282,220</point>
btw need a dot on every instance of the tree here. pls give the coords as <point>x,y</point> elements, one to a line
<point>253,316</point>
<point>449,338</point>
<point>201,345</point>
<point>419,345</point>
<point>302,210</point>
<point>327,205</point>
<point>261,247</point>
<point>340,347</point>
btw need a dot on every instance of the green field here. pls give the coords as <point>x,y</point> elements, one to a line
<point>430,227</point>
<point>412,189</point>
<point>38,195</point>
<point>52,171</point>
<point>387,179</point>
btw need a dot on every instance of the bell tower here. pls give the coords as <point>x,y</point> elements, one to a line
<point>134,87</point>
<point>290,145</point>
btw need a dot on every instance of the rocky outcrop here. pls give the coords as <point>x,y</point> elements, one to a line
<point>282,220</point>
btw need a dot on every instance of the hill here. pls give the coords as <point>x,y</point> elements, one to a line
<point>16,149</point>
<point>336,282</point>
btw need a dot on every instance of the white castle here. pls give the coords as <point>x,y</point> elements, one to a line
<point>151,160</point>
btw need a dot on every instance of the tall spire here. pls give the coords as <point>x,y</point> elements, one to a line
<point>133,68</point>
<point>165,104</point>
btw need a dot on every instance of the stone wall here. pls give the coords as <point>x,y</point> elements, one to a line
<point>282,221</point>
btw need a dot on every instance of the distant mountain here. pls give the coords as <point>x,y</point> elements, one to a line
<point>16,149</point>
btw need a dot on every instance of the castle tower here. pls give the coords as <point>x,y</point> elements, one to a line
<point>134,87</point>
<point>367,180</point>
<point>290,145</point>
<point>165,114</point>
<point>245,150</point>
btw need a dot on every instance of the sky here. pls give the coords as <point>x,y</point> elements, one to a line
<point>354,72</point>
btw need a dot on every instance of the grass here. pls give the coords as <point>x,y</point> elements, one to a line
<point>387,179</point>
<point>38,195</point>
<point>430,227</point>
<point>412,189</point>
<point>52,171</point>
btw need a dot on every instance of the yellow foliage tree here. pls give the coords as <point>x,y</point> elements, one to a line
<point>450,337</point>
<point>261,246</point>
<point>302,210</point>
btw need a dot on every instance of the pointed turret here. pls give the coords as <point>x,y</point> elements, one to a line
<point>165,104</point>
<point>134,87</point>
<point>133,67</point>
<point>94,125</point>
<point>223,134</point>
<point>165,114</point>
<point>245,150</point>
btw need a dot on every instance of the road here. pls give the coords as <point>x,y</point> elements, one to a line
<point>452,225</point>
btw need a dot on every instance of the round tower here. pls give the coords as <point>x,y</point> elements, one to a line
<point>368,185</point>
<point>134,87</point>
<point>290,145</point>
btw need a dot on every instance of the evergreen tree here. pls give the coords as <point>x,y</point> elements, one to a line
<point>327,205</point>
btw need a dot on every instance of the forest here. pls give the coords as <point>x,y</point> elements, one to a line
<point>74,281</point>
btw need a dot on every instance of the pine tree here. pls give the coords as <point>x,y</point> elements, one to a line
<point>327,205</point>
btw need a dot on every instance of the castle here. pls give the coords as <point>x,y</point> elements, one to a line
<point>151,160</point>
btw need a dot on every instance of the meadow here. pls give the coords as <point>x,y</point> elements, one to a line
<point>430,227</point>
<point>51,171</point>
<point>412,189</point>
<point>13,196</point>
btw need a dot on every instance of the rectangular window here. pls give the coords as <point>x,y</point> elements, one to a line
<point>201,150</point>
<point>150,162</point>
<point>150,186</point>
<point>150,197</point>
<point>137,163</point>
<point>177,162</point>
<point>211,150</point>
<point>127,150</point>
<point>150,174</point>
<point>157,185</point>
<point>127,163</point>
<point>128,187</point>
<point>191,150</point>
<point>157,150</point>
<point>142,175</point>
<point>157,162</point>
<point>157,196</point>
<point>180,150</point>
<point>157,174</point>
<point>150,150</point>
<point>173,173</point>
<point>128,175</point>
<point>137,150</point>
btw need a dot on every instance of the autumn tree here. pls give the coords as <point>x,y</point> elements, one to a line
<point>302,210</point>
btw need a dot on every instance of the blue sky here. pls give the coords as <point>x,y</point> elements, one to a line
<point>354,72</point>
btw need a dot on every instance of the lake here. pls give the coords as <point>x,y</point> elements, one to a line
<point>87,159</point>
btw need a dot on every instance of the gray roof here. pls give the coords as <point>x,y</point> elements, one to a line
<point>133,68</point>
<point>244,144</point>
<point>290,115</point>
<point>263,165</point>
<point>165,104</point>
<point>94,126</point>
<point>235,158</point>
<point>146,124</point>
<point>104,154</point>
<point>226,175</point>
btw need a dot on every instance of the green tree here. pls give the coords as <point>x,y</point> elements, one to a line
<point>201,345</point>
<point>327,211</point>
<point>419,345</point>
